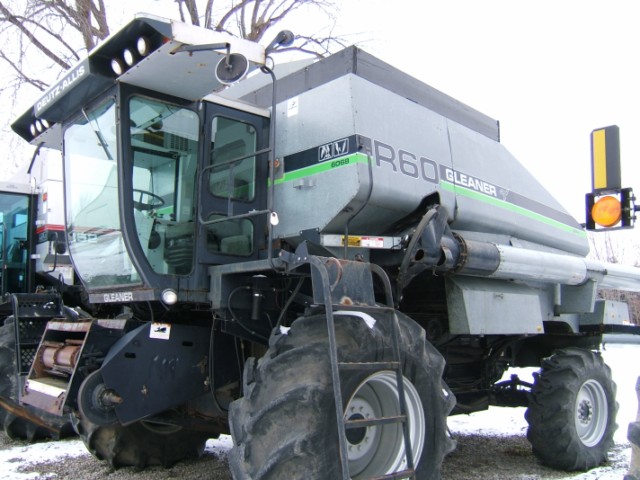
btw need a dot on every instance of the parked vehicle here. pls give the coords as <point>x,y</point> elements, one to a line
<point>325,265</point>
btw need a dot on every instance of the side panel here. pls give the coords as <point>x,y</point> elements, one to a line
<point>311,193</point>
<point>479,306</point>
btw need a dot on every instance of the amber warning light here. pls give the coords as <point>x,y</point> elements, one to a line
<point>607,211</point>
<point>608,206</point>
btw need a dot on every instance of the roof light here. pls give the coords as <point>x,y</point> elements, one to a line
<point>39,126</point>
<point>32,129</point>
<point>129,59</point>
<point>45,124</point>
<point>143,46</point>
<point>117,66</point>
<point>607,211</point>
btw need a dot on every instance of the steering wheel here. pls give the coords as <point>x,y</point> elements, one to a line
<point>154,201</point>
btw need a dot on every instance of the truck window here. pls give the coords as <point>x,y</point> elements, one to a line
<point>164,148</point>
<point>13,242</point>
<point>91,183</point>
<point>232,176</point>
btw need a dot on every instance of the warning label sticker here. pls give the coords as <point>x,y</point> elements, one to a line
<point>160,331</point>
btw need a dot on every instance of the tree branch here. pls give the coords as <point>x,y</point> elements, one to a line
<point>25,31</point>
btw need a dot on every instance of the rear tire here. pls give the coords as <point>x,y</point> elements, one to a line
<point>572,411</point>
<point>14,426</point>
<point>141,444</point>
<point>285,425</point>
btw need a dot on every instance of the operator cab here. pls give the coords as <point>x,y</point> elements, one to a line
<point>160,182</point>
<point>17,205</point>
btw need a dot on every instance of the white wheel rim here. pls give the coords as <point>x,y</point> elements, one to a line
<point>591,413</point>
<point>379,449</point>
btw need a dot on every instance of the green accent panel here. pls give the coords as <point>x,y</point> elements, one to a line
<point>496,202</point>
<point>338,162</point>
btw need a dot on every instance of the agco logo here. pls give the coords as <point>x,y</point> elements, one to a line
<point>333,150</point>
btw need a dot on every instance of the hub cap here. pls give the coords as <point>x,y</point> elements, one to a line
<point>379,449</point>
<point>591,413</point>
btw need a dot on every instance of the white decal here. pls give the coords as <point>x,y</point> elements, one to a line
<point>160,331</point>
<point>372,242</point>
<point>292,107</point>
<point>333,150</point>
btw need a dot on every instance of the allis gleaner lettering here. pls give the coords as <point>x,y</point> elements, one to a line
<point>470,182</point>
<point>416,166</point>
<point>118,297</point>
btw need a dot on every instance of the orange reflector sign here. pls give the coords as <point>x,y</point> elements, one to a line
<point>606,211</point>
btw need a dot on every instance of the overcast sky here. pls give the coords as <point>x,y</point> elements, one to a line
<point>550,71</point>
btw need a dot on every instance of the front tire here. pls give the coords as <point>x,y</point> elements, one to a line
<point>572,411</point>
<point>141,444</point>
<point>285,425</point>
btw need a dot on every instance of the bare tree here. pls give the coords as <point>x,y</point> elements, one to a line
<point>42,38</point>
<point>61,30</point>
<point>607,248</point>
<point>253,19</point>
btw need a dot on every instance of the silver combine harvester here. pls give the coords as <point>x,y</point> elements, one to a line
<point>324,261</point>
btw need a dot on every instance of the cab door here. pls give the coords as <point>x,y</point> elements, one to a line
<point>233,186</point>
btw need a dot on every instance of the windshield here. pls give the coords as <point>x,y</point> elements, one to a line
<point>93,222</point>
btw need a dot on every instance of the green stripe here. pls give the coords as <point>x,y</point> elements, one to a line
<point>346,161</point>
<point>496,202</point>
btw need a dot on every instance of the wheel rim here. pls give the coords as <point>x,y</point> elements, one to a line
<point>591,413</point>
<point>379,449</point>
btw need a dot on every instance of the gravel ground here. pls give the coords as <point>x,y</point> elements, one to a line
<point>477,456</point>
<point>491,445</point>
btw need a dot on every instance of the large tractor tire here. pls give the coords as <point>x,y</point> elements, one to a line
<point>285,425</point>
<point>140,445</point>
<point>572,412</point>
<point>44,425</point>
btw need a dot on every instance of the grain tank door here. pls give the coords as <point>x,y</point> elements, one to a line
<point>233,184</point>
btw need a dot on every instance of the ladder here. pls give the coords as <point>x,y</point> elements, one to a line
<point>319,264</point>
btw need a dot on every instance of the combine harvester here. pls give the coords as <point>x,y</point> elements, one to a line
<point>325,265</point>
<point>33,257</point>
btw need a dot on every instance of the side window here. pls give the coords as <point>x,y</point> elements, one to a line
<point>164,150</point>
<point>232,176</point>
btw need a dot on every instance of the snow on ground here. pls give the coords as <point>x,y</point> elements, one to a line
<point>623,360</point>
